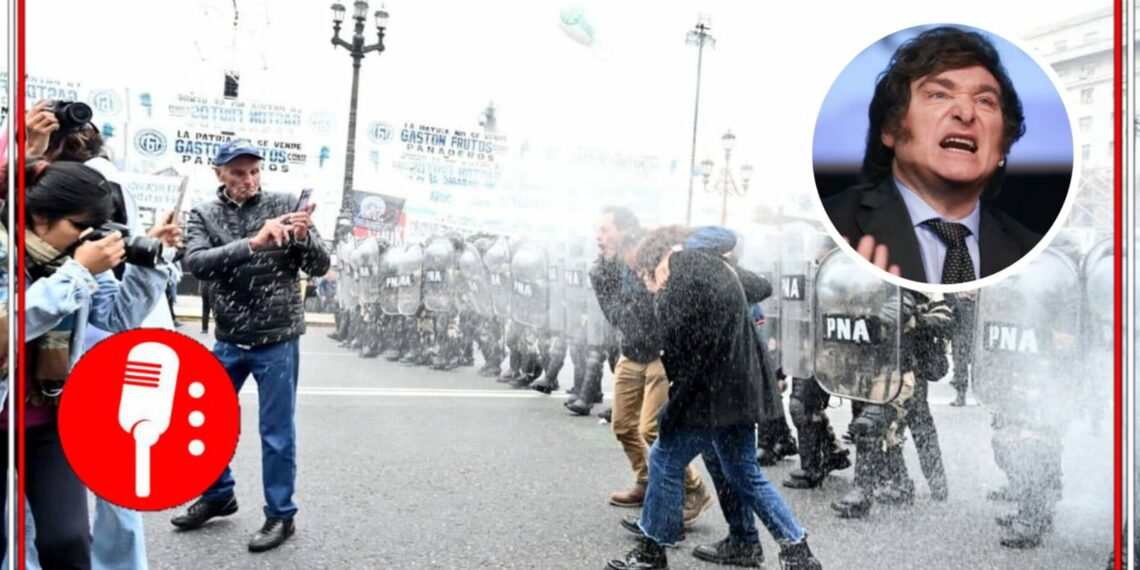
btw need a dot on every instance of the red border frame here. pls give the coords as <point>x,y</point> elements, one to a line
<point>17,387</point>
<point>1118,162</point>
<point>17,112</point>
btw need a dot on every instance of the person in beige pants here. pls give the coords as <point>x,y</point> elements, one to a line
<point>641,388</point>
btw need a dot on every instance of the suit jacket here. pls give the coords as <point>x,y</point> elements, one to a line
<point>878,210</point>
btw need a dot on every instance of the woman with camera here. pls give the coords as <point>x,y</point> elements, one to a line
<point>70,284</point>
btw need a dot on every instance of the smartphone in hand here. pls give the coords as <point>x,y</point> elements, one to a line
<point>303,201</point>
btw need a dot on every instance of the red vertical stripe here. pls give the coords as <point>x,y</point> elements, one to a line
<point>17,386</point>
<point>1117,179</point>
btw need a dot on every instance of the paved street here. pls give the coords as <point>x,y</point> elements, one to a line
<point>412,468</point>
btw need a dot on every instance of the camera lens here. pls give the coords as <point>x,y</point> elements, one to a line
<point>143,251</point>
<point>79,113</point>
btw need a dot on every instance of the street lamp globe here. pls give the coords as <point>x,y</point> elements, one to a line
<point>706,167</point>
<point>338,13</point>
<point>360,9</point>
<point>728,140</point>
<point>381,19</point>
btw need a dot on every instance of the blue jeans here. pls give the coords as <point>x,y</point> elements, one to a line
<point>734,448</point>
<point>117,539</point>
<point>275,368</point>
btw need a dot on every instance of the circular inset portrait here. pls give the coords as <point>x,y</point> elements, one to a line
<point>943,156</point>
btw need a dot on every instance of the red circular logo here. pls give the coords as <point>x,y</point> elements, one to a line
<point>149,419</point>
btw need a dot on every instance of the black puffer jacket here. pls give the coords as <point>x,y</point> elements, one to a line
<point>256,296</point>
<point>718,376</point>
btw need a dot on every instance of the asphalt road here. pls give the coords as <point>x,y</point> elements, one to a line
<point>403,467</point>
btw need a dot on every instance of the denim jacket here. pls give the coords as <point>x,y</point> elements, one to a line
<point>100,300</point>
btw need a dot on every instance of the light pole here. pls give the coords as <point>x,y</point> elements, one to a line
<point>698,36</point>
<point>726,183</point>
<point>356,49</point>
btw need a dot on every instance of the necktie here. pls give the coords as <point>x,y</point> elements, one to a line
<point>957,267</point>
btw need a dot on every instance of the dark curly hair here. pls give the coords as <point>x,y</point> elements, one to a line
<point>933,51</point>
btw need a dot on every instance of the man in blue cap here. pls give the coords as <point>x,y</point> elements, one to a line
<point>251,245</point>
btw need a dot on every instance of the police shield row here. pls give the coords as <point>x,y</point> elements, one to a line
<point>833,329</point>
<point>427,304</point>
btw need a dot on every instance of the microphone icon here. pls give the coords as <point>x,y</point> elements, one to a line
<point>149,384</point>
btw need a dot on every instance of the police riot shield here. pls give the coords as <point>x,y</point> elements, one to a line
<point>368,270</point>
<point>346,280</point>
<point>758,251</point>
<point>475,290</point>
<point>359,272</point>
<point>857,332</point>
<point>498,262</point>
<point>1026,349</point>
<point>439,275</point>
<point>556,285</point>
<point>390,280</point>
<point>529,286</point>
<point>410,269</point>
<point>801,247</point>
<point>576,290</point>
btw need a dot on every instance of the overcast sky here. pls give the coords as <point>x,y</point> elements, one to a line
<point>765,79</point>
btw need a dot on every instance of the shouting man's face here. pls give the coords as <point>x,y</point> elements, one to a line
<point>951,136</point>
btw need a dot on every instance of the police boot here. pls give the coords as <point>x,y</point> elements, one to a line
<point>546,385</point>
<point>778,444</point>
<point>960,400</point>
<point>811,472</point>
<point>490,369</point>
<point>897,487</point>
<point>836,457</point>
<point>1022,533</point>
<point>857,502</point>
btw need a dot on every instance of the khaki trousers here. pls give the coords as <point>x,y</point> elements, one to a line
<point>640,391</point>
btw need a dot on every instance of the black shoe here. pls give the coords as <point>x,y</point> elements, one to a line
<point>630,524</point>
<point>798,557</point>
<point>731,553</point>
<point>520,382</point>
<point>490,371</point>
<point>800,479</point>
<point>333,336</point>
<point>272,534</point>
<point>647,556</point>
<point>854,505</point>
<point>1022,534</point>
<point>578,407</point>
<point>959,401</point>
<point>394,357</point>
<point>837,461</point>
<point>607,415</point>
<point>546,386</point>
<point>202,511</point>
<point>1009,521</point>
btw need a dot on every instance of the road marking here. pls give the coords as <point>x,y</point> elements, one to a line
<point>414,393</point>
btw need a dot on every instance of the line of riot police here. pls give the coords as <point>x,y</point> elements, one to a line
<point>526,302</point>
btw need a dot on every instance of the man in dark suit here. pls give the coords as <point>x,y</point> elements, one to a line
<point>942,120</point>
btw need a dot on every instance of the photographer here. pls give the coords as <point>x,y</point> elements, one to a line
<point>62,131</point>
<point>69,284</point>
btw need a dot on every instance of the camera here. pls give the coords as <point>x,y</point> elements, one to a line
<point>73,116</point>
<point>141,250</point>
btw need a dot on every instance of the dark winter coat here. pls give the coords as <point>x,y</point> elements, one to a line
<point>256,296</point>
<point>718,376</point>
<point>628,305</point>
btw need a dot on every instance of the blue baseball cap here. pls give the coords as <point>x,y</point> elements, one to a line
<point>235,148</point>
